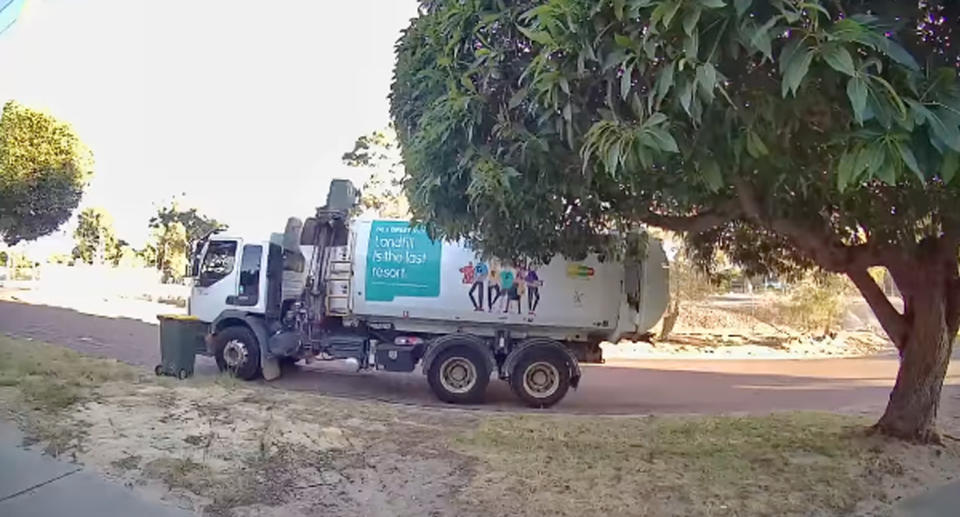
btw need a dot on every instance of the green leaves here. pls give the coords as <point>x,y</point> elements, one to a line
<point>658,103</point>
<point>796,70</point>
<point>665,12</point>
<point>540,37</point>
<point>949,166</point>
<point>690,20</point>
<point>44,168</point>
<point>712,176</point>
<point>857,93</point>
<point>617,144</point>
<point>755,146</point>
<point>706,80</point>
<point>944,126</point>
<point>910,160</point>
<point>839,59</point>
<point>664,81</point>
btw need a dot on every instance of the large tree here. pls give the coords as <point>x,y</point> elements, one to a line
<point>44,168</point>
<point>788,134</point>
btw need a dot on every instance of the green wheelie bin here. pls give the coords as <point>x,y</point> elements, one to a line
<point>181,339</point>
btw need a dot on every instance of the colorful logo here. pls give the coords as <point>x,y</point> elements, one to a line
<point>579,271</point>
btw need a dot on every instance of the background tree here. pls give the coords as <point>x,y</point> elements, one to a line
<point>60,259</point>
<point>96,240</point>
<point>44,168</point>
<point>789,134</point>
<point>382,192</point>
<point>173,248</point>
<point>175,231</point>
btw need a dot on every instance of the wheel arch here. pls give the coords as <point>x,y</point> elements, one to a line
<point>526,344</point>
<point>446,341</point>
<point>268,363</point>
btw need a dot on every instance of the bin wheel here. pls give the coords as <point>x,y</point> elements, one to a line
<point>182,374</point>
<point>158,370</point>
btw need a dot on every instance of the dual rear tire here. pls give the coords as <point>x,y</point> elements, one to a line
<point>540,376</point>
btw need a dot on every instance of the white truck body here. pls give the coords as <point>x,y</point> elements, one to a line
<point>394,273</point>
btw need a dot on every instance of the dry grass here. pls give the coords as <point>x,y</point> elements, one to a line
<point>797,463</point>
<point>54,378</point>
<point>231,448</point>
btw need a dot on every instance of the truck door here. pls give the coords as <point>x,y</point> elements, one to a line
<point>216,280</point>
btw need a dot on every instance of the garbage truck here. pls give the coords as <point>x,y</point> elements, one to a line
<point>383,295</point>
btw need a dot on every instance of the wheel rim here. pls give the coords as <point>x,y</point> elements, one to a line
<point>458,375</point>
<point>235,354</point>
<point>541,379</point>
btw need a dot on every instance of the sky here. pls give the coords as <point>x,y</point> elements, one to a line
<point>243,108</point>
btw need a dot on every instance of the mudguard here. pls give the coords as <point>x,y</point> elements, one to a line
<point>444,342</point>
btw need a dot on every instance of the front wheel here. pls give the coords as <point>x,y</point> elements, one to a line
<point>541,377</point>
<point>238,352</point>
<point>459,375</point>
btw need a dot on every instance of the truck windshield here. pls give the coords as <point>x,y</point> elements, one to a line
<point>217,263</point>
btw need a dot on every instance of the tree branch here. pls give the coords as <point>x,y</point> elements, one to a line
<point>822,246</point>
<point>893,323</point>
<point>693,224</point>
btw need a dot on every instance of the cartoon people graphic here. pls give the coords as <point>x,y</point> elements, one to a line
<point>507,285</point>
<point>515,291</point>
<point>476,290</point>
<point>469,278</point>
<point>469,272</point>
<point>504,286</point>
<point>493,285</point>
<point>533,290</point>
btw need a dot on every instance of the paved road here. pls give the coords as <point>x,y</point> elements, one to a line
<point>35,485</point>
<point>631,387</point>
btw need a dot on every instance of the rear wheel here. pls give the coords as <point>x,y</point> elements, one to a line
<point>238,352</point>
<point>459,375</point>
<point>541,376</point>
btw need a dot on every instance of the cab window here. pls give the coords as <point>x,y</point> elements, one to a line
<point>250,273</point>
<point>217,263</point>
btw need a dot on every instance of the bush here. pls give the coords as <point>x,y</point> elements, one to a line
<point>817,303</point>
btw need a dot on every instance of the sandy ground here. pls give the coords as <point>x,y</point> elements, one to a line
<point>224,448</point>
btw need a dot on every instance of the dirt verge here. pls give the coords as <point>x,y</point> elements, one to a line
<point>227,448</point>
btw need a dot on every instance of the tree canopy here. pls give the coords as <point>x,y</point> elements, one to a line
<point>787,133</point>
<point>44,168</point>
<point>175,230</point>
<point>96,239</point>
<point>382,191</point>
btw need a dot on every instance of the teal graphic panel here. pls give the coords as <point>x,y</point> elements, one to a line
<point>401,261</point>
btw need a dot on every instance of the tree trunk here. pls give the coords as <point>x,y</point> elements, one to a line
<point>925,344</point>
<point>669,321</point>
